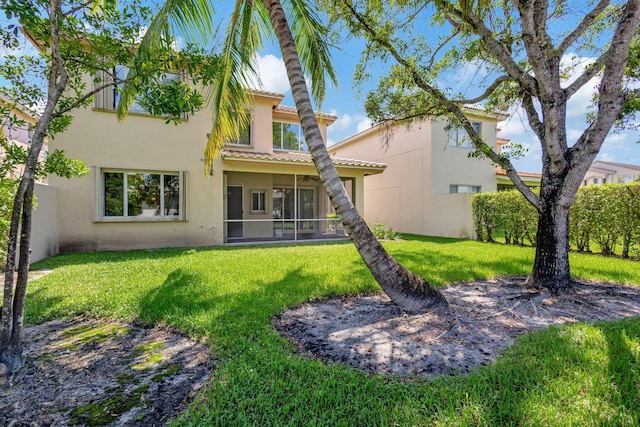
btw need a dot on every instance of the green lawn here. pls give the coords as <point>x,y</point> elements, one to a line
<point>579,375</point>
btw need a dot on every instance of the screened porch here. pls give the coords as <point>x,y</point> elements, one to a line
<point>262,207</point>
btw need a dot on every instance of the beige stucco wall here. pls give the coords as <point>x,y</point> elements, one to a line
<point>44,230</point>
<point>144,143</point>
<point>412,194</point>
<point>140,143</point>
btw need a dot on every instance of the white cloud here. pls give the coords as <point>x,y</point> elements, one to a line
<point>330,142</point>
<point>364,124</point>
<point>344,121</point>
<point>573,66</point>
<point>273,74</point>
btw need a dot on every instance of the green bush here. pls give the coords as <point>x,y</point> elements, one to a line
<point>506,213</point>
<point>384,232</point>
<point>7,191</point>
<point>602,216</point>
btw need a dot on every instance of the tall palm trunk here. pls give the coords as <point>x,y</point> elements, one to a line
<point>404,287</point>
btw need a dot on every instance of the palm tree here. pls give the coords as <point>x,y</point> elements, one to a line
<point>304,49</point>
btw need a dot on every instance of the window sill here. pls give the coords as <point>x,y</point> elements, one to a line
<point>139,220</point>
<point>239,145</point>
<point>135,113</point>
<point>284,150</point>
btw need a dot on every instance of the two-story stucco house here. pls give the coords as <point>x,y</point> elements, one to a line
<point>429,180</point>
<point>601,172</point>
<point>147,187</point>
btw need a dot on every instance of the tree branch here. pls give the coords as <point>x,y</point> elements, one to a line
<point>451,106</point>
<point>532,114</point>
<point>589,73</point>
<point>582,26</point>
<point>496,48</point>
<point>488,91</point>
<point>612,97</point>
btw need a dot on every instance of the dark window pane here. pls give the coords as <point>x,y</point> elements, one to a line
<point>113,194</point>
<point>289,136</point>
<point>277,136</point>
<point>171,195</point>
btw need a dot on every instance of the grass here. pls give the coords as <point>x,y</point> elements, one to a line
<point>584,375</point>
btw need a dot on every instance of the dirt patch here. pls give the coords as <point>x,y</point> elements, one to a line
<point>484,318</point>
<point>88,372</point>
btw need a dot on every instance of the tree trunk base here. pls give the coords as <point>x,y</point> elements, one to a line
<point>554,286</point>
<point>10,361</point>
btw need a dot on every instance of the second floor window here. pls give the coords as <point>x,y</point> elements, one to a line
<point>121,74</point>
<point>458,137</point>
<point>288,136</point>
<point>244,137</point>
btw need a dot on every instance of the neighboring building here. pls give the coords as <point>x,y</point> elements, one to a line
<point>20,134</point>
<point>147,187</point>
<point>608,172</point>
<point>429,180</point>
<point>45,240</point>
<point>531,179</point>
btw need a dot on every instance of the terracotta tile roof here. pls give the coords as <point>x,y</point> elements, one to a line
<point>261,92</point>
<point>502,172</point>
<point>295,157</point>
<point>293,110</point>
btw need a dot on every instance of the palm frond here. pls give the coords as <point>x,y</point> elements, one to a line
<point>229,99</point>
<point>311,37</point>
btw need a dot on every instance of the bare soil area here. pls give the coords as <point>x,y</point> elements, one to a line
<point>90,372</point>
<point>484,318</point>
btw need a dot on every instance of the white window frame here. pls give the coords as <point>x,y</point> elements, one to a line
<point>99,191</point>
<point>467,188</point>
<point>458,137</point>
<point>260,209</point>
<point>300,137</point>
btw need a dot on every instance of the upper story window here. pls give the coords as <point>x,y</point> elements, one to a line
<point>245,135</point>
<point>458,137</point>
<point>121,73</point>
<point>288,136</point>
<point>108,99</point>
<point>140,195</point>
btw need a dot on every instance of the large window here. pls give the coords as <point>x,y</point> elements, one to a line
<point>141,195</point>
<point>458,137</point>
<point>288,136</point>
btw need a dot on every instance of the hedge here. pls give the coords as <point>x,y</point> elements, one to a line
<point>602,216</point>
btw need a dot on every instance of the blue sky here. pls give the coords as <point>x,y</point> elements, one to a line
<point>622,147</point>
<point>345,104</point>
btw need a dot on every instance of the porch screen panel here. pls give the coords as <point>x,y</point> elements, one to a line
<point>306,208</point>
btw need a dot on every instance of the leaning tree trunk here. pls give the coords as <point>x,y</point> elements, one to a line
<point>11,317</point>
<point>405,288</point>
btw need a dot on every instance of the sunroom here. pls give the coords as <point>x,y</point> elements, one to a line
<point>279,197</point>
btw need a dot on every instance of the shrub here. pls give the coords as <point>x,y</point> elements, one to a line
<point>604,215</point>
<point>384,232</point>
